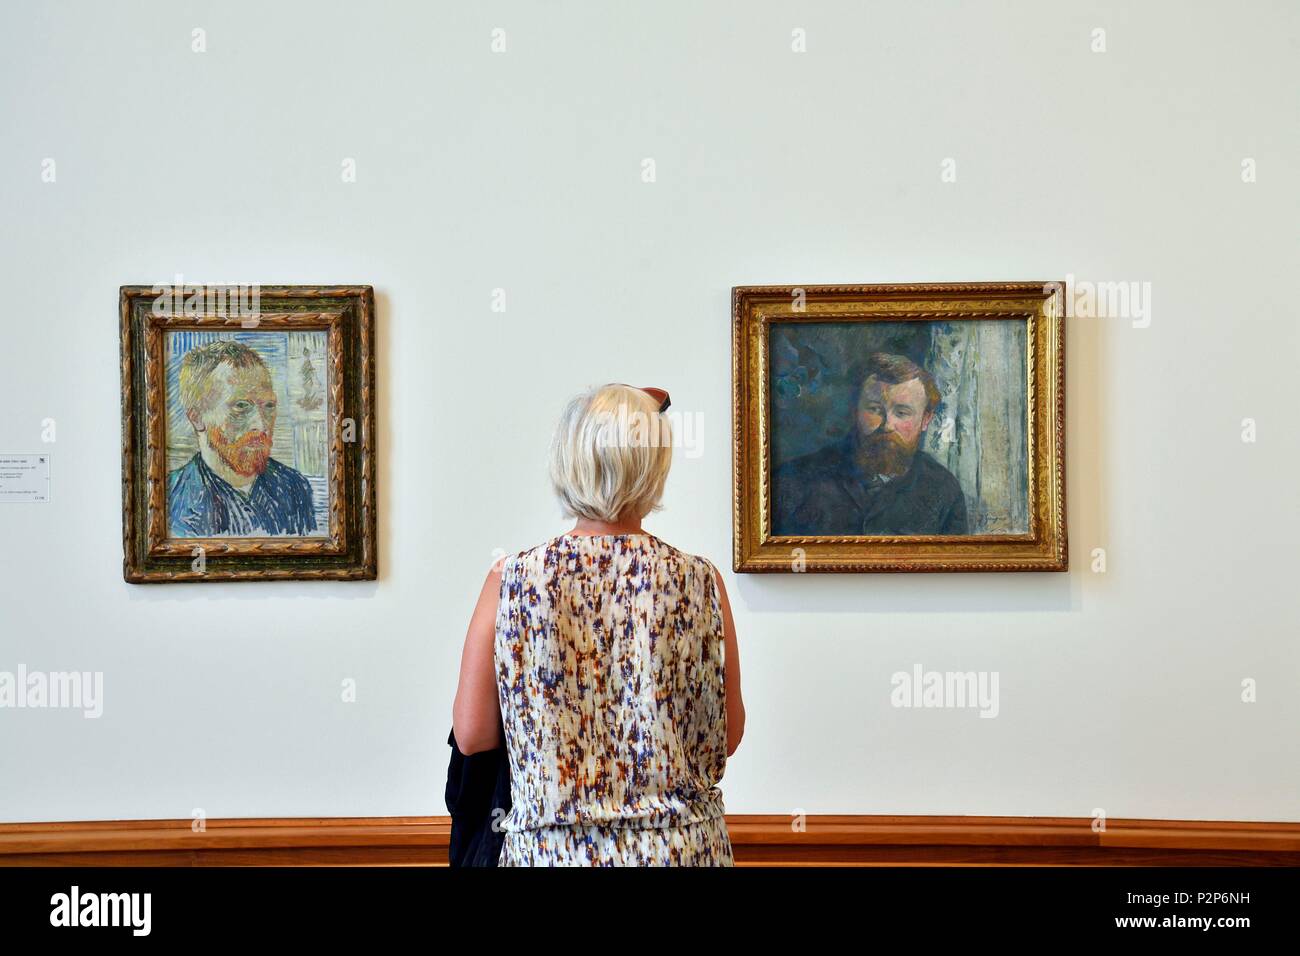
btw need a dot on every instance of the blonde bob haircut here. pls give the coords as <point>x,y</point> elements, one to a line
<point>610,454</point>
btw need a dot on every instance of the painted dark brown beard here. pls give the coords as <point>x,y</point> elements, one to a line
<point>887,453</point>
<point>247,456</point>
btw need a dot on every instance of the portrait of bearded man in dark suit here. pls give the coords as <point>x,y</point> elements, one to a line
<point>875,480</point>
<point>232,485</point>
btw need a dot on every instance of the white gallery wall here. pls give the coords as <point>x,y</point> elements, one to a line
<point>907,142</point>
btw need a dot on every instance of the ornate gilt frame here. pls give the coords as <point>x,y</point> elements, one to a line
<point>754,310</point>
<point>349,552</point>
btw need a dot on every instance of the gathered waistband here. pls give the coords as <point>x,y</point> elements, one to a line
<point>704,812</point>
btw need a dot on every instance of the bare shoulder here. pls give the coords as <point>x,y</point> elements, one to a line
<point>491,590</point>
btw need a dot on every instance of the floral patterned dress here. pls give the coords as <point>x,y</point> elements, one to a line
<point>610,672</point>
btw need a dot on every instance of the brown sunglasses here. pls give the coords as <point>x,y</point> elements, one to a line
<point>658,394</point>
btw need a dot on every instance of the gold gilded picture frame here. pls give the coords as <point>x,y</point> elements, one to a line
<point>990,386</point>
<point>248,433</point>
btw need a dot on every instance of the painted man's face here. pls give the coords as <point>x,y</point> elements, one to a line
<point>240,417</point>
<point>891,420</point>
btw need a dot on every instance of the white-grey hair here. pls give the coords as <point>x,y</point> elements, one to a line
<point>610,454</point>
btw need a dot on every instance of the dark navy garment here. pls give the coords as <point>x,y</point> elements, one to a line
<point>478,792</point>
<point>201,504</point>
<point>825,492</point>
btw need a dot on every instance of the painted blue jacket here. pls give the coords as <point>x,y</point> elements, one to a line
<point>201,504</point>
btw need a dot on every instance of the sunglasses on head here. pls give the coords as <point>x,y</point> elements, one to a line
<point>658,394</point>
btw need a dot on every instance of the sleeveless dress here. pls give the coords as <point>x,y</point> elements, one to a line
<point>610,661</point>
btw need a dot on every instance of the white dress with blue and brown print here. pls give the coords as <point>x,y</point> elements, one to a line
<point>610,662</point>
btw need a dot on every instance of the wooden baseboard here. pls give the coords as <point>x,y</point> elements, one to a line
<point>758,840</point>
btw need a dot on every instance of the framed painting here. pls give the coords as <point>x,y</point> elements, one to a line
<point>899,427</point>
<point>248,433</point>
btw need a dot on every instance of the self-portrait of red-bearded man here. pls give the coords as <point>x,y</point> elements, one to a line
<point>232,485</point>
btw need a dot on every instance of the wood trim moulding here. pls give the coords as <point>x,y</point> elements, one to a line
<point>757,840</point>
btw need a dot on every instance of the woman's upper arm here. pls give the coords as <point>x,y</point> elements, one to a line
<point>735,702</point>
<point>476,714</point>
